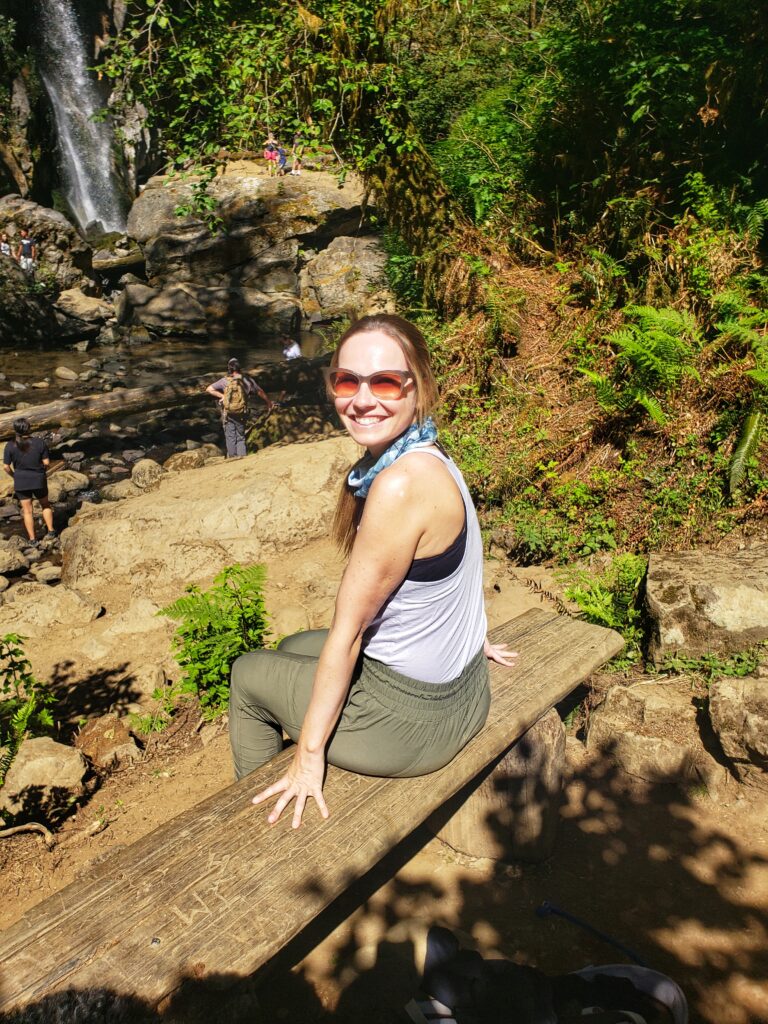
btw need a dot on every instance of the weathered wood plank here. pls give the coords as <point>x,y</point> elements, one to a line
<point>218,890</point>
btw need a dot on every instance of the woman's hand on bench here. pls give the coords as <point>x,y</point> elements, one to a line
<point>499,653</point>
<point>303,779</point>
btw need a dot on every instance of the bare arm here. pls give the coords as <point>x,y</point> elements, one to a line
<point>211,390</point>
<point>8,469</point>
<point>385,545</point>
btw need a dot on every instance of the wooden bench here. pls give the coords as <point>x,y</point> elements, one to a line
<point>216,890</point>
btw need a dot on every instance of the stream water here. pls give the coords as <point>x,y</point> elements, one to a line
<point>104,451</point>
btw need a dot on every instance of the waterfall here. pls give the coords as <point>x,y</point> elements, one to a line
<point>85,145</point>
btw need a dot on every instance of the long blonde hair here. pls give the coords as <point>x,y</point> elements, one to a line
<point>349,509</point>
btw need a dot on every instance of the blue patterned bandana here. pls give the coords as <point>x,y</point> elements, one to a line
<point>418,435</point>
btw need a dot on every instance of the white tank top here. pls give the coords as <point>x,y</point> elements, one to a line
<point>431,630</point>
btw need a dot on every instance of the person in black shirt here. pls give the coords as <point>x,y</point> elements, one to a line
<point>26,459</point>
<point>26,252</point>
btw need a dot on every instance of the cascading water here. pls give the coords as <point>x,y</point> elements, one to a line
<point>85,145</point>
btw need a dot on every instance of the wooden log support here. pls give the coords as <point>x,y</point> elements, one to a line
<point>299,376</point>
<point>511,811</point>
<point>217,890</point>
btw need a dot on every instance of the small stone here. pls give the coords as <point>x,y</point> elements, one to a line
<point>4,583</point>
<point>41,385</point>
<point>146,473</point>
<point>115,428</point>
<point>191,445</point>
<point>47,573</point>
<point>48,773</point>
<point>106,740</point>
<point>133,454</point>
<point>88,375</point>
<point>64,373</point>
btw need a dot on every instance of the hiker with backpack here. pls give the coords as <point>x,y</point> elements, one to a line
<point>233,392</point>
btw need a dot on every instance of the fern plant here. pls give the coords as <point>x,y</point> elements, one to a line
<point>611,599</point>
<point>654,353</point>
<point>744,325</point>
<point>217,626</point>
<point>25,704</point>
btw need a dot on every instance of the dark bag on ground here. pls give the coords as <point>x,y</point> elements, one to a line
<point>478,991</point>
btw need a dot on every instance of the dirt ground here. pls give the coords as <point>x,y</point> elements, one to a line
<point>679,877</point>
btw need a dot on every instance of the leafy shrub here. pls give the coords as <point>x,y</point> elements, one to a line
<point>611,599</point>
<point>24,702</point>
<point>655,352</point>
<point>217,626</point>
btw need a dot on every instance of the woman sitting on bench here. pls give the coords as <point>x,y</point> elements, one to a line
<point>399,684</point>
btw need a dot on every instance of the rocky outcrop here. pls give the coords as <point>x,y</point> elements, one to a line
<point>705,602</point>
<point>25,316</point>
<point>245,273</point>
<point>649,729</point>
<point>738,708</point>
<point>346,279</point>
<point>233,512</point>
<point>64,258</point>
<point>31,608</point>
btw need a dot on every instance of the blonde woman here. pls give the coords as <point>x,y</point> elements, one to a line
<point>399,683</point>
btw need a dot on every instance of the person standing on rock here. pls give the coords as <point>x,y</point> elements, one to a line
<point>232,393</point>
<point>26,252</point>
<point>5,245</point>
<point>291,348</point>
<point>399,683</point>
<point>26,459</point>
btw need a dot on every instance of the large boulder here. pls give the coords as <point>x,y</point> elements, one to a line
<point>25,315</point>
<point>73,303</point>
<point>30,608</point>
<point>341,279</point>
<point>44,779</point>
<point>738,709</point>
<point>278,499</point>
<point>64,258</point>
<point>650,730</point>
<point>64,482</point>
<point>704,602</point>
<point>246,274</point>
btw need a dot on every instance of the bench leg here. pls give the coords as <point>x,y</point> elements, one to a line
<point>511,811</point>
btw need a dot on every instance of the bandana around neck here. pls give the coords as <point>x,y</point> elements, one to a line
<point>418,435</point>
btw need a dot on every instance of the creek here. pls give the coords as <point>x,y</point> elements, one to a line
<point>104,451</point>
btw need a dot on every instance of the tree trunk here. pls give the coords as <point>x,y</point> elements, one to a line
<point>299,376</point>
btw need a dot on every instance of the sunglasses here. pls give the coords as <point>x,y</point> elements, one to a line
<point>384,384</point>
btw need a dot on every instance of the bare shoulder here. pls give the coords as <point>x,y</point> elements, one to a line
<point>413,476</point>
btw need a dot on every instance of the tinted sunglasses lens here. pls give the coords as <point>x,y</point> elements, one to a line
<point>344,384</point>
<point>386,385</point>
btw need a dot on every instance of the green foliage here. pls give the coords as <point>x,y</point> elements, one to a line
<point>711,666</point>
<point>654,353</point>
<point>25,704</point>
<point>611,599</point>
<point>217,626</point>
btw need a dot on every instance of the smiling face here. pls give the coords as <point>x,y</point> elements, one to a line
<point>374,422</point>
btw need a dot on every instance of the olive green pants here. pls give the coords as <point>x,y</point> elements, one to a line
<point>390,726</point>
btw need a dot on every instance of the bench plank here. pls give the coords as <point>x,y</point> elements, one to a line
<point>217,890</point>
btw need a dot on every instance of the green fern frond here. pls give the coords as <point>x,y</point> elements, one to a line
<point>606,394</point>
<point>745,449</point>
<point>761,376</point>
<point>652,407</point>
